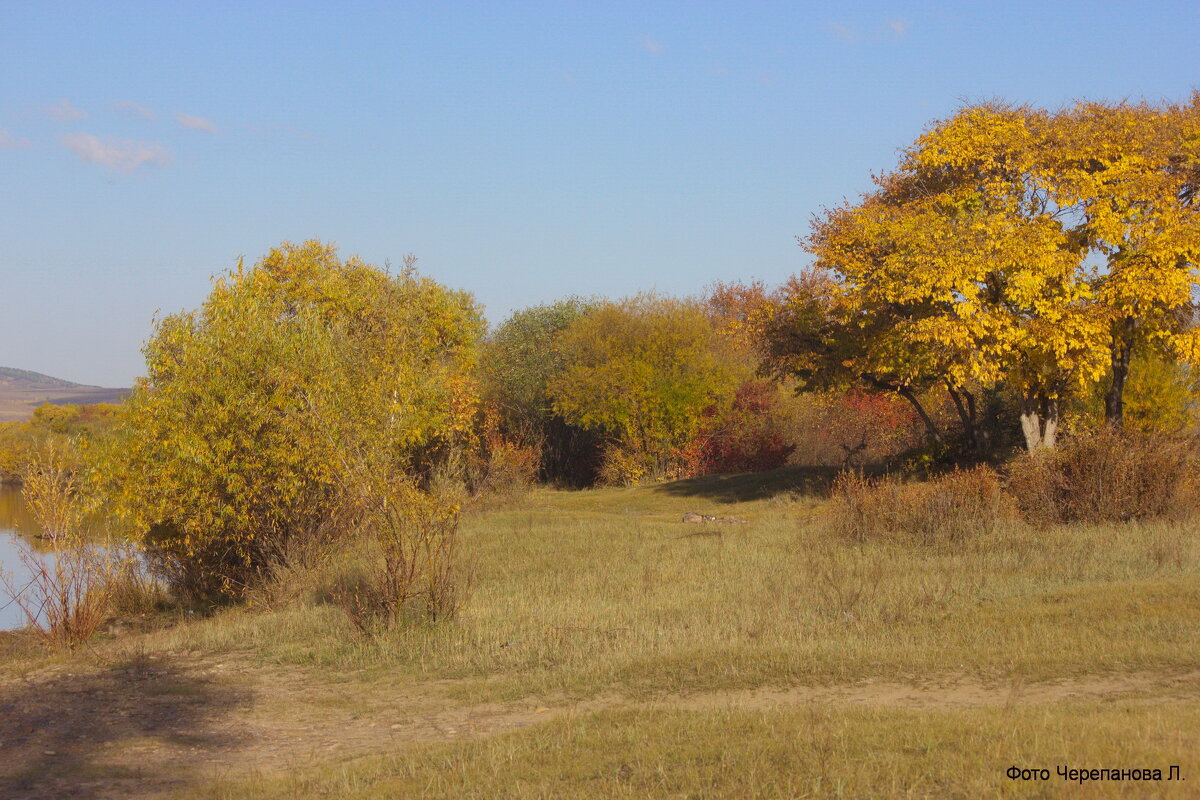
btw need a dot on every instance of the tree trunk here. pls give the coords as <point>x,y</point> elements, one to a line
<point>1039,422</point>
<point>934,434</point>
<point>1121,349</point>
<point>907,393</point>
<point>964,403</point>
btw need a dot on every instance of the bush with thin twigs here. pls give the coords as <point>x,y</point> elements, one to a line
<point>1108,476</point>
<point>133,589</point>
<point>501,468</point>
<point>410,536</point>
<point>70,587</point>
<point>747,436</point>
<point>950,508</point>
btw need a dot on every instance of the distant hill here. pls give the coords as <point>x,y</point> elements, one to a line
<point>23,377</point>
<point>21,391</point>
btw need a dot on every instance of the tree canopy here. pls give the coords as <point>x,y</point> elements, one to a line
<point>641,371</point>
<point>1021,245</point>
<point>261,405</point>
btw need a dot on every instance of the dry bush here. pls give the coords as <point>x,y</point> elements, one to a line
<point>502,469</point>
<point>950,508</point>
<point>1107,476</point>
<point>70,587</point>
<point>133,589</point>
<point>304,563</point>
<point>211,574</point>
<point>850,429</point>
<point>748,436</point>
<point>410,538</point>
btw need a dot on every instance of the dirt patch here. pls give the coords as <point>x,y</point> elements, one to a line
<point>143,727</point>
<point>115,731</point>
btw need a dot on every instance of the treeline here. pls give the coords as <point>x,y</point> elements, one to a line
<point>1018,274</point>
<point>69,429</point>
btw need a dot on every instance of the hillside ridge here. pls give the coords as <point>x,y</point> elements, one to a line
<point>9,375</point>
<point>23,390</point>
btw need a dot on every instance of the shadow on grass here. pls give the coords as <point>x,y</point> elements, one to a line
<point>745,486</point>
<point>132,729</point>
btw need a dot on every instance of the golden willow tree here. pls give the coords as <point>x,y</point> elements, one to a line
<point>296,385</point>
<point>1018,245</point>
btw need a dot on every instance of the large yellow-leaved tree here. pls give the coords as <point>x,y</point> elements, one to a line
<point>1020,245</point>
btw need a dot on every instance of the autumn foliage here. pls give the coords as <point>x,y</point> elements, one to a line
<point>974,262</point>
<point>296,384</point>
<point>1018,273</point>
<point>747,436</point>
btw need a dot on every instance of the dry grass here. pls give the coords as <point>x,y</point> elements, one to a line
<point>813,751</point>
<point>591,594</point>
<point>951,508</point>
<point>1108,477</point>
<point>581,592</point>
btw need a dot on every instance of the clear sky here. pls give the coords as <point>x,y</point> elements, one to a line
<point>523,151</point>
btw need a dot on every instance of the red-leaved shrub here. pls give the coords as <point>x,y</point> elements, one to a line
<point>749,436</point>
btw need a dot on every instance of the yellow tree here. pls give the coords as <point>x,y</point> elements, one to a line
<point>960,270</point>
<point>259,408</point>
<point>640,372</point>
<point>1124,177</point>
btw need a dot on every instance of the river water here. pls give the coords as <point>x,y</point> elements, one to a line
<point>17,530</point>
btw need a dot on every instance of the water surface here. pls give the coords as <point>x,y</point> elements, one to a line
<point>17,530</point>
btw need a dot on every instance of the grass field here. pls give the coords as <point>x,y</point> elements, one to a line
<point>605,649</point>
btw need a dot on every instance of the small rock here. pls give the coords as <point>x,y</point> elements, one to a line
<point>692,516</point>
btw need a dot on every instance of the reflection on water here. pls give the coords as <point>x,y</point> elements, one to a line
<point>17,529</point>
<point>14,514</point>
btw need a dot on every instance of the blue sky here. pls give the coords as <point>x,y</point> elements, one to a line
<point>523,151</point>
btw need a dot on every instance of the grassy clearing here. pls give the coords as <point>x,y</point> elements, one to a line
<point>579,593</point>
<point>812,751</point>
<point>582,595</point>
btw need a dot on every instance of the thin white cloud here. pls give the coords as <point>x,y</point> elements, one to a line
<point>134,109</point>
<point>119,155</point>
<point>874,33</point>
<point>63,111</point>
<point>844,32</point>
<point>196,123</point>
<point>651,46</point>
<point>7,142</point>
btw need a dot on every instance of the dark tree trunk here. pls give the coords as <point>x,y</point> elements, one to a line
<point>1121,350</point>
<point>931,428</point>
<point>964,403</point>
